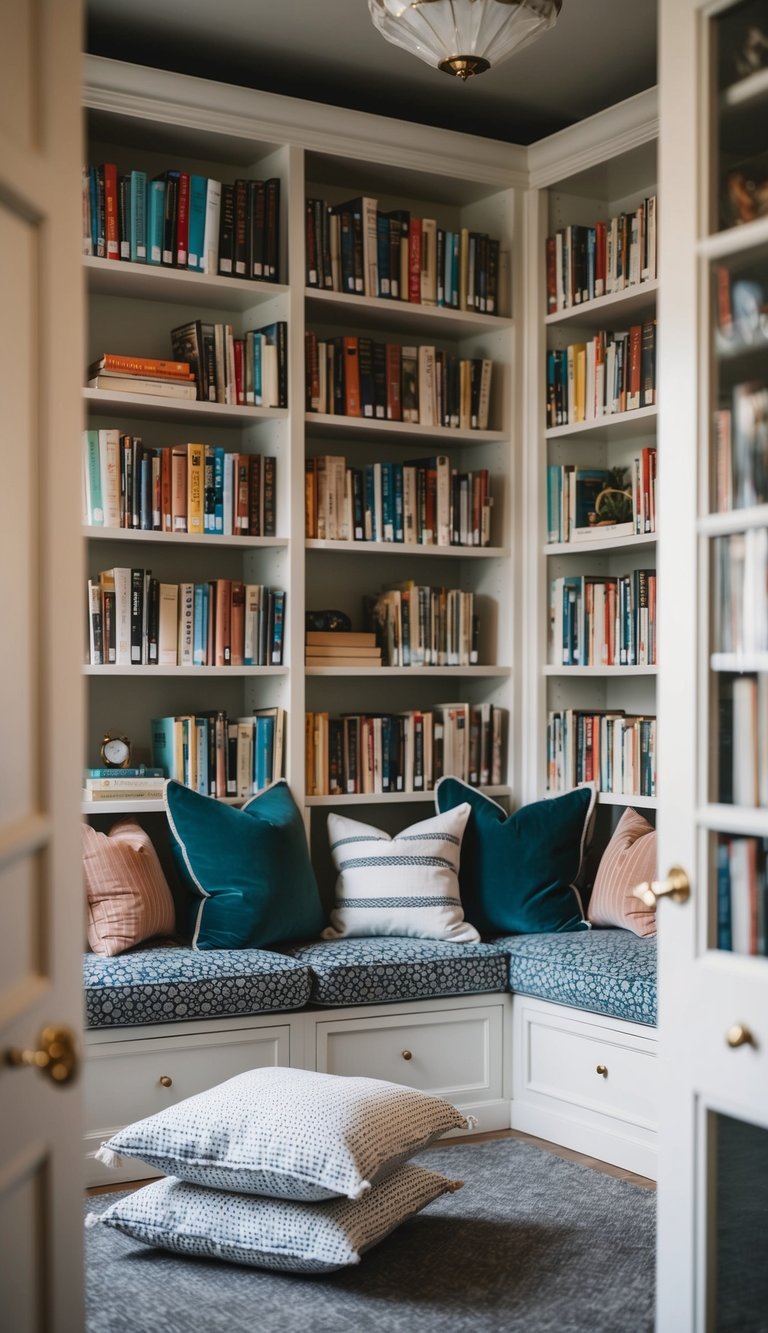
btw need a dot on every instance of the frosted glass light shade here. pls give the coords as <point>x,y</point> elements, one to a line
<point>463,37</point>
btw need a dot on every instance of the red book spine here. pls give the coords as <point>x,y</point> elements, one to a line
<point>600,259</point>
<point>551,276</point>
<point>182,220</point>
<point>352,407</point>
<point>414,261</point>
<point>111,224</point>
<point>239,377</point>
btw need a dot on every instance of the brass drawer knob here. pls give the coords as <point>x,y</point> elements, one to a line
<point>739,1035</point>
<point>166,1081</point>
<point>602,1070</point>
<point>407,1055</point>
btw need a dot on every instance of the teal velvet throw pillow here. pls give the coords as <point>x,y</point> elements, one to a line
<point>518,872</point>
<point>247,868</point>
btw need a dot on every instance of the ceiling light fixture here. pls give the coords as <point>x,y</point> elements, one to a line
<point>463,37</point>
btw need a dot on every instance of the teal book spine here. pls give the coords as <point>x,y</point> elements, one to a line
<point>138,217</point>
<point>163,747</point>
<point>262,752</point>
<point>200,625</point>
<point>93,497</point>
<point>155,221</point>
<point>198,193</point>
<point>141,772</point>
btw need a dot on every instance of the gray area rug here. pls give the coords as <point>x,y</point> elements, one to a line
<point>532,1242</point>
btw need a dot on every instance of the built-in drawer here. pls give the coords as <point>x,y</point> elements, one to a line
<point>127,1080</point>
<point>593,1067</point>
<point>457,1053</point>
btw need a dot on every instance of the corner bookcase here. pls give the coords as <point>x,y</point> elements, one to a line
<point>142,119</point>
<point>588,174</point>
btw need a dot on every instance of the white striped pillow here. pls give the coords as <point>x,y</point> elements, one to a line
<point>129,900</point>
<point>628,860</point>
<point>406,885</point>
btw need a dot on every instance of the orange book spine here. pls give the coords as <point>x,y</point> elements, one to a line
<point>237,623</point>
<point>222,648</point>
<point>352,407</point>
<point>144,365</point>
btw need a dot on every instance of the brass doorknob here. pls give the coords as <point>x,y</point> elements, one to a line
<point>166,1081</point>
<point>407,1055</point>
<point>739,1035</point>
<point>675,886</point>
<point>56,1055</point>
<point>602,1070</point>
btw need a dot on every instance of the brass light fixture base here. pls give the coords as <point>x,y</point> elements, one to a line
<point>463,67</point>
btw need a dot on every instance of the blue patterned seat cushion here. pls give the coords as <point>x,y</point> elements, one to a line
<point>395,968</point>
<point>609,972</point>
<point>169,985</point>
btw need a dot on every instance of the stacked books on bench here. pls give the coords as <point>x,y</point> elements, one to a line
<point>342,648</point>
<point>142,374</point>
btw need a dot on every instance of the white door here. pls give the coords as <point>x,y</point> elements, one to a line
<point>41,617</point>
<point>713,1002</point>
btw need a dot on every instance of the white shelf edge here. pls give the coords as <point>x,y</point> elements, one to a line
<point>158,405</point>
<point>402,429</point>
<point>612,421</point>
<point>602,544</point>
<point>622,798</point>
<point>347,301</point>
<point>180,538</point>
<point>130,805</point>
<point>608,672</point>
<point>733,819</point>
<point>481,672</point>
<point>635,295</point>
<point>117,277</point>
<point>733,520</point>
<point>737,663</point>
<point>224,673</point>
<point>390,797</point>
<point>407,548</point>
<point>733,240</point>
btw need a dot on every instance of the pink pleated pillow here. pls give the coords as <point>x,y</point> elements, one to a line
<point>129,900</point>
<point>628,860</point>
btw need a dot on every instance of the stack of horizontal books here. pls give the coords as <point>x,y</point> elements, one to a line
<point>123,784</point>
<point>142,374</point>
<point>342,648</point>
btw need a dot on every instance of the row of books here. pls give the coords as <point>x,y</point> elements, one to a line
<point>603,620</point>
<point>136,620</point>
<point>357,248</point>
<point>743,740</point>
<point>404,752</point>
<point>612,372</point>
<point>417,626</point>
<point>181,220</point>
<point>354,376</point>
<point>615,750</point>
<point>195,488</point>
<point>426,501</point>
<point>740,310</point>
<point>342,648</point>
<point>584,503</point>
<point>742,894</point>
<point>584,262</point>
<point>740,457</point>
<point>221,756</point>
<point>739,592</point>
<point>247,371</point>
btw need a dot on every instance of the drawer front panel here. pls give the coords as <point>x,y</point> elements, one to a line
<point>456,1052</point>
<point>599,1071</point>
<point>124,1081</point>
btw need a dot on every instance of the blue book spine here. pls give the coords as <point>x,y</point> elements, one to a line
<point>163,746</point>
<point>155,221</point>
<point>724,933</point>
<point>370,505</point>
<point>200,625</point>
<point>198,193</point>
<point>591,244</point>
<point>397,480</point>
<point>387,503</point>
<point>200,727</point>
<point>262,752</point>
<point>258,342</point>
<point>218,489</point>
<point>277,597</point>
<point>141,772</point>
<point>138,217</point>
<point>382,253</point>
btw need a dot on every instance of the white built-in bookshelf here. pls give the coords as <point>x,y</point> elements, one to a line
<point>601,169</point>
<point>149,120</point>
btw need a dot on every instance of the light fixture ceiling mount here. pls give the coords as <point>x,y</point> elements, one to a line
<point>463,37</point>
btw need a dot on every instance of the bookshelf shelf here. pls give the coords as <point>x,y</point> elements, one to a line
<point>733,520</point>
<point>635,302</point>
<point>390,798</point>
<point>410,673</point>
<point>642,541</point>
<point>320,423</point>
<point>340,308</point>
<point>156,408</point>
<point>196,673</point>
<point>636,424</point>
<point>734,241</point>
<point>600,672</point>
<point>626,798</point>
<point>737,819</point>
<point>739,663</point>
<point>152,282</point>
<point>208,539</point>
<point>409,549</point>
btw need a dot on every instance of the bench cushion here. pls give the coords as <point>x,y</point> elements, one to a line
<point>609,972</point>
<point>392,969</point>
<point>171,985</point>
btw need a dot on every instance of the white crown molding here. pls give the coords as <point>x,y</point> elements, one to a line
<point>163,97</point>
<point>600,138</point>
